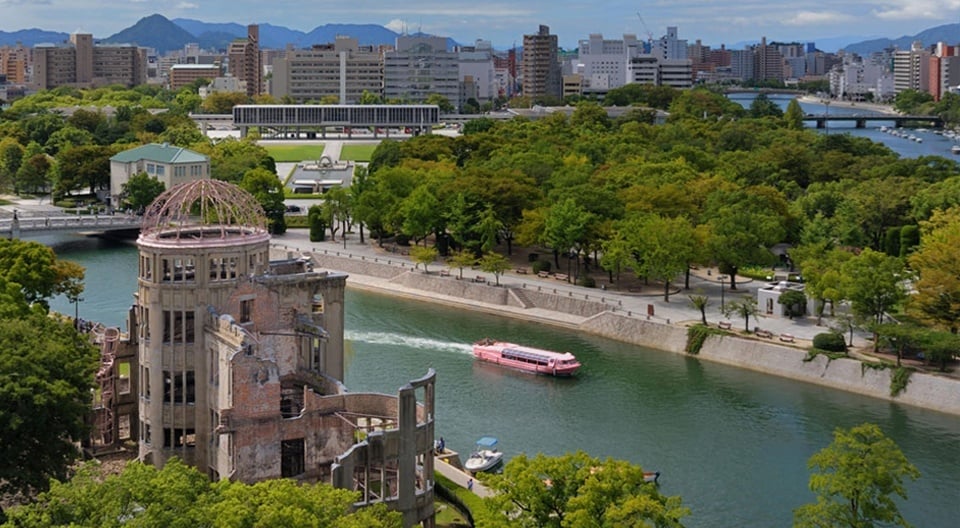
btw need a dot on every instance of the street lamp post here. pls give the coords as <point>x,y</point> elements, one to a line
<point>723,284</point>
<point>76,311</point>
<point>826,121</point>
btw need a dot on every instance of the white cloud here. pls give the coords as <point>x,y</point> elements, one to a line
<point>917,9</point>
<point>814,18</point>
<point>187,5</point>
<point>396,25</point>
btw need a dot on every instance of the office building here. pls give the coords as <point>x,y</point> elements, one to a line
<point>342,69</point>
<point>419,67</point>
<point>183,75</point>
<point>476,64</point>
<point>602,63</point>
<point>15,63</point>
<point>82,64</point>
<point>541,66</point>
<point>245,62</point>
<point>167,163</point>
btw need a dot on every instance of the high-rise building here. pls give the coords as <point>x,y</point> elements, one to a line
<point>419,67</point>
<point>541,65</point>
<point>245,62</point>
<point>182,75</point>
<point>670,47</point>
<point>476,63</point>
<point>14,63</point>
<point>911,69</point>
<point>603,63</point>
<point>83,64</point>
<point>342,69</point>
<point>769,65</point>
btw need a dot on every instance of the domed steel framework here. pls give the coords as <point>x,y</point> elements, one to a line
<point>203,209</point>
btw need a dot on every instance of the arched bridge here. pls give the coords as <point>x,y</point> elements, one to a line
<point>861,121</point>
<point>42,225</point>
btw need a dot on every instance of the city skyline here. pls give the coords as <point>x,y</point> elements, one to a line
<point>505,23</point>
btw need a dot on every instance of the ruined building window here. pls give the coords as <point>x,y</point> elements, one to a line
<point>246,311</point>
<point>146,433</point>
<point>178,327</point>
<point>145,376</point>
<point>291,458</point>
<point>179,438</point>
<point>123,377</point>
<point>179,387</point>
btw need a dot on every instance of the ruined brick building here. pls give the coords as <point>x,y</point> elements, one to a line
<point>234,363</point>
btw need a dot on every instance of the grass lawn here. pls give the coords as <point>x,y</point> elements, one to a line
<point>357,152</point>
<point>293,153</point>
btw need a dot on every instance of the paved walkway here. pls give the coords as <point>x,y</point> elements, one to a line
<point>678,311</point>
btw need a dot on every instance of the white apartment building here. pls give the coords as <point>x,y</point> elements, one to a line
<point>603,63</point>
<point>670,47</point>
<point>649,69</point>
<point>476,64</point>
<point>856,78</point>
<point>911,69</point>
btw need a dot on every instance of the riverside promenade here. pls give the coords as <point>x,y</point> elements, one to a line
<point>679,311</point>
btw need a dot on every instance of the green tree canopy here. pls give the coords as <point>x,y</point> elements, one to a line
<point>46,384</point>
<point>267,189</point>
<point>179,496</point>
<point>856,479</point>
<point>141,191</point>
<point>36,270</point>
<point>577,490</point>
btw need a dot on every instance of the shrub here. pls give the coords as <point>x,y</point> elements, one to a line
<point>402,240</point>
<point>587,281</point>
<point>70,204</point>
<point>830,342</point>
<point>532,257</point>
<point>696,335</point>
<point>541,265</point>
<point>317,224</point>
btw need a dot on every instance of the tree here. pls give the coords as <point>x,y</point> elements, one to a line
<point>494,263</point>
<point>436,99</point>
<point>936,262</point>
<point>424,255</point>
<point>223,102</point>
<point>421,214</point>
<point>820,265</point>
<point>179,496</point>
<point>318,223</point>
<point>34,174</point>
<point>577,490</point>
<point>794,301</point>
<point>46,382</point>
<point>565,225</point>
<point>141,191</point>
<point>83,166</point>
<point>700,302</point>
<point>666,247</point>
<point>745,307</point>
<point>857,476</point>
<point>267,189</point>
<point>873,282</point>
<point>762,106</point>
<point>462,259</point>
<point>36,270</point>
<point>793,117</point>
<point>337,206</point>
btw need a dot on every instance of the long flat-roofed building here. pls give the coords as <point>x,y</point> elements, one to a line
<point>182,75</point>
<point>420,67</point>
<point>83,64</point>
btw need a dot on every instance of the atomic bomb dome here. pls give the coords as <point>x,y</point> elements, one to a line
<point>203,209</point>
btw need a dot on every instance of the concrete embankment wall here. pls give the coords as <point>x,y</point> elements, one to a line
<point>923,390</point>
<point>371,267</point>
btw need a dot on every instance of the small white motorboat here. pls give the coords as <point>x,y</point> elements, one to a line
<point>485,457</point>
<point>955,149</point>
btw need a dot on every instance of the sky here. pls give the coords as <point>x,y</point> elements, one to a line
<point>504,22</point>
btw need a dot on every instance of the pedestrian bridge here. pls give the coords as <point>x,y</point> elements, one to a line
<point>42,225</point>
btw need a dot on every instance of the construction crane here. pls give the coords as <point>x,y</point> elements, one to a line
<point>645,28</point>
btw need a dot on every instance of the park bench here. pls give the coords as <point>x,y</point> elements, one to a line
<point>763,333</point>
<point>522,271</point>
<point>444,273</point>
<point>543,274</point>
<point>479,278</point>
<point>725,325</point>
<point>786,338</point>
<point>560,276</point>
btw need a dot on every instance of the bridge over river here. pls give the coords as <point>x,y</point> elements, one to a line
<point>25,226</point>
<point>861,121</point>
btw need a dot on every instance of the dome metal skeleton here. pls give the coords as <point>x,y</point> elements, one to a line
<point>204,209</point>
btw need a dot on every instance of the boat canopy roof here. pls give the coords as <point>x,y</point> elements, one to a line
<point>487,441</point>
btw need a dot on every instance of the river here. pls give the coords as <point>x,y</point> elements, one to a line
<point>732,443</point>
<point>932,144</point>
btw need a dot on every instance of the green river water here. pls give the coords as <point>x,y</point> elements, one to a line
<point>732,443</point>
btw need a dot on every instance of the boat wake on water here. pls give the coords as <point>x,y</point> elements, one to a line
<point>387,338</point>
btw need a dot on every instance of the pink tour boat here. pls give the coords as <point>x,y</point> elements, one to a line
<point>526,358</point>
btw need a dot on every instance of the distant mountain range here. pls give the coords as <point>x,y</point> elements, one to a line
<point>163,34</point>
<point>949,33</point>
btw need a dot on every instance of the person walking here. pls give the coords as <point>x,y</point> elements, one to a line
<point>470,485</point>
